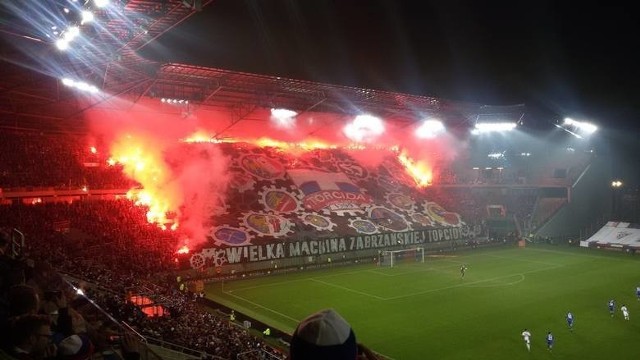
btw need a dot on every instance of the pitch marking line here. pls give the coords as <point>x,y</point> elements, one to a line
<point>523,260</point>
<point>419,269</point>
<point>266,285</point>
<point>465,284</point>
<point>265,308</point>
<point>289,317</point>
<point>298,280</point>
<point>348,289</point>
<point>521,278</point>
<point>378,272</point>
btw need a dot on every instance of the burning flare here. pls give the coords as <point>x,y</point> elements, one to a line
<point>143,162</point>
<point>420,171</point>
<point>163,189</point>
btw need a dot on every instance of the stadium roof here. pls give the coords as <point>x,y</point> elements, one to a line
<point>108,58</point>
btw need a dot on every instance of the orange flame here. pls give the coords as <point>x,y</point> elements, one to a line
<point>420,171</point>
<point>200,136</point>
<point>306,145</point>
<point>183,250</point>
<point>143,162</point>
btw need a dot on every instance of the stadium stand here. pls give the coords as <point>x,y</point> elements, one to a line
<point>110,250</point>
<point>70,226</point>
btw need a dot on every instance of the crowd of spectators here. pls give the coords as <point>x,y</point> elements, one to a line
<point>110,250</point>
<point>61,161</point>
<point>113,252</point>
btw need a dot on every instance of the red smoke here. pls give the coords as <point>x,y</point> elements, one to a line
<point>172,153</point>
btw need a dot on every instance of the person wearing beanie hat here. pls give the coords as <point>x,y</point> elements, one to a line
<point>326,335</point>
<point>75,347</point>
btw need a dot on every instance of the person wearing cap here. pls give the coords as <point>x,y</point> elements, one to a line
<point>326,335</point>
<point>75,347</point>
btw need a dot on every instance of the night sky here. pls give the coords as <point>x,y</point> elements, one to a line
<point>559,58</point>
<point>570,59</point>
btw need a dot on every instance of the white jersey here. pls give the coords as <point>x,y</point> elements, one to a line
<point>526,335</point>
<point>625,311</point>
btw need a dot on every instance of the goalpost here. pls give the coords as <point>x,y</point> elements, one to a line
<point>392,258</point>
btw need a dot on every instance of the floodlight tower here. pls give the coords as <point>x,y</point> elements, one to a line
<point>616,185</point>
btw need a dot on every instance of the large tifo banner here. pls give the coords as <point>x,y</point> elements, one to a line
<point>291,249</point>
<point>615,235</point>
<point>281,206</point>
<point>327,190</point>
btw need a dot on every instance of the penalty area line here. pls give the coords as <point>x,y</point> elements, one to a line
<point>264,307</point>
<point>469,284</point>
<point>348,289</point>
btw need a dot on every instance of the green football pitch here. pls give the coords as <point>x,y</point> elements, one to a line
<point>427,311</point>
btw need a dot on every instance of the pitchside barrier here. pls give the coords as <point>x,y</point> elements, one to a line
<point>370,256</point>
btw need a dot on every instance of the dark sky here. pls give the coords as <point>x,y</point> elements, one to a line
<point>570,59</point>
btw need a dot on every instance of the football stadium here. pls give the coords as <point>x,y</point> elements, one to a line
<point>153,210</point>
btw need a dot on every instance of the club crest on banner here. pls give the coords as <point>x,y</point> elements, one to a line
<point>388,219</point>
<point>319,222</point>
<point>388,183</point>
<point>329,192</point>
<point>442,216</point>
<point>422,219</point>
<point>401,201</point>
<point>262,166</point>
<point>363,226</point>
<point>241,182</point>
<point>230,236</point>
<point>622,234</point>
<point>353,169</point>
<point>267,224</point>
<point>279,200</point>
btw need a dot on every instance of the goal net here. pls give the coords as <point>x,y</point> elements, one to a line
<point>392,258</point>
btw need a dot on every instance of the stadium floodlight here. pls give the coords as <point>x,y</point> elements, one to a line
<point>174,101</point>
<point>72,32</point>
<point>430,129</point>
<point>283,117</point>
<point>584,127</point>
<point>62,44</point>
<point>80,85</point>
<point>87,16</point>
<point>616,183</point>
<point>493,127</point>
<point>101,3</point>
<point>364,128</point>
<point>283,113</point>
<point>67,37</point>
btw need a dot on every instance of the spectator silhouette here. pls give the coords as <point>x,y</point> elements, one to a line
<point>31,338</point>
<point>75,347</point>
<point>326,335</point>
<point>23,299</point>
